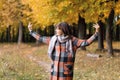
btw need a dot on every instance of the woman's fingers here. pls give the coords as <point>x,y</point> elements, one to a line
<point>96,25</point>
<point>30,26</point>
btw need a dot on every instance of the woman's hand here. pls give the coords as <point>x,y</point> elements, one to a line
<point>96,26</point>
<point>30,27</point>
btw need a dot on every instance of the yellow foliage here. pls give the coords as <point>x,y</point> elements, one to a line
<point>1,4</point>
<point>47,12</point>
<point>117,8</point>
<point>40,11</point>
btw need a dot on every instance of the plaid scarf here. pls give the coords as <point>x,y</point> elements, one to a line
<point>62,39</point>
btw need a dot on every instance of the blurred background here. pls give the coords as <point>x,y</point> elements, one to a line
<point>44,15</point>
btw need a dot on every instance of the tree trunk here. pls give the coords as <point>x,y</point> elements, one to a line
<point>23,34</point>
<point>2,37</point>
<point>109,33</point>
<point>90,30</point>
<point>8,36</point>
<point>13,35</point>
<point>117,33</point>
<point>100,36</point>
<point>20,34</point>
<point>37,31</point>
<point>50,30</point>
<point>45,31</point>
<point>81,28</point>
<point>74,30</point>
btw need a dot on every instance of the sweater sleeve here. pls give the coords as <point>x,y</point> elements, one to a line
<point>90,40</point>
<point>82,43</point>
<point>43,39</point>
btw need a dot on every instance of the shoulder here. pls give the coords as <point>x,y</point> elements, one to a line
<point>74,38</point>
<point>54,36</point>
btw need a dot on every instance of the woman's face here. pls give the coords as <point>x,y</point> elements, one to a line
<point>58,32</point>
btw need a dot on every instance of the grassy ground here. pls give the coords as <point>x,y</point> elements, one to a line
<point>16,65</point>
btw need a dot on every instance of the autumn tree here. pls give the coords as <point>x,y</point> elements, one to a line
<point>13,12</point>
<point>102,12</point>
<point>47,12</point>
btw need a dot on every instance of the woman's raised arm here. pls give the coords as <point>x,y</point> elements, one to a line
<point>43,39</point>
<point>82,43</point>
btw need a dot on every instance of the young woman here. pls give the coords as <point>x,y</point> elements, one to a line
<point>62,49</point>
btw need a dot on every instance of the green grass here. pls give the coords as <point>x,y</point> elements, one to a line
<point>15,64</point>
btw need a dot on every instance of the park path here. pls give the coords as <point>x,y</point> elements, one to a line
<point>43,64</point>
<point>27,51</point>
